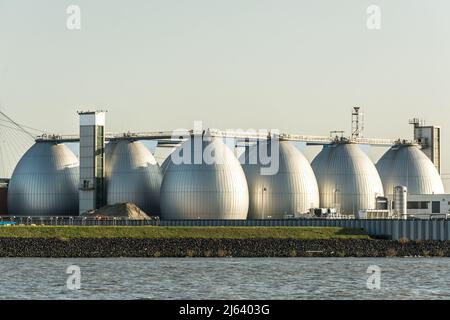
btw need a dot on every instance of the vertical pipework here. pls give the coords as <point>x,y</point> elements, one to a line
<point>92,160</point>
<point>401,201</point>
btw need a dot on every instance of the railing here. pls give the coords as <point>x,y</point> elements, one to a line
<point>159,135</point>
<point>78,221</point>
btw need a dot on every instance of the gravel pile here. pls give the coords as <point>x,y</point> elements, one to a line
<point>123,210</point>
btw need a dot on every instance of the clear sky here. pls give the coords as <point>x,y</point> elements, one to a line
<point>298,66</point>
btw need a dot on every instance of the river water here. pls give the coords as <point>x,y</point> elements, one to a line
<point>226,278</point>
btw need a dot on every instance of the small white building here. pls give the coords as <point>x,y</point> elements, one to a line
<point>426,205</point>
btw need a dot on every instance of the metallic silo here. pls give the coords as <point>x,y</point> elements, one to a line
<point>347,178</point>
<point>208,184</point>
<point>406,165</point>
<point>45,182</point>
<point>401,201</point>
<point>132,175</point>
<point>290,191</point>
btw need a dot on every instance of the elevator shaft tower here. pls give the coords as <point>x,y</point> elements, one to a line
<point>92,160</point>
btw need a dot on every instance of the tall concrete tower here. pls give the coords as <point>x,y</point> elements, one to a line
<point>429,138</point>
<point>92,160</point>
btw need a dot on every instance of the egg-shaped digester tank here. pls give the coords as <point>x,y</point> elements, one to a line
<point>132,175</point>
<point>347,178</point>
<point>292,188</point>
<point>208,184</point>
<point>45,182</point>
<point>406,165</point>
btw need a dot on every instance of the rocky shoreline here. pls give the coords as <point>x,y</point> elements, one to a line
<point>191,247</point>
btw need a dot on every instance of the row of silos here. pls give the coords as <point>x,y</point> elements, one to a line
<point>45,181</point>
<point>228,190</point>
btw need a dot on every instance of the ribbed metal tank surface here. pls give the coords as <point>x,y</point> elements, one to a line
<point>202,190</point>
<point>165,164</point>
<point>347,178</point>
<point>132,175</point>
<point>406,165</point>
<point>45,182</point>
<point>292,190</point>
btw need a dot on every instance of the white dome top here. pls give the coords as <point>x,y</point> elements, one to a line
<point>45,182</point>
<point>196,190</point>
<point>347,178</point>
<point>292,190</point>
<point>407,165</point>
<point>132,175</point>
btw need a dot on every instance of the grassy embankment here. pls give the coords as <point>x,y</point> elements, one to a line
<point>150,232</point>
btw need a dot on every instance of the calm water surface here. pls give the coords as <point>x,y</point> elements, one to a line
<point>230,278</point>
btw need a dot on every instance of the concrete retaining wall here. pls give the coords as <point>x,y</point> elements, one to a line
<point>392,229</point>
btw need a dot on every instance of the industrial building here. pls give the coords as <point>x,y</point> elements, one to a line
<point>92,191</point>
<point>423,206</point>
<point>4,183</point>
<point>49,179</point>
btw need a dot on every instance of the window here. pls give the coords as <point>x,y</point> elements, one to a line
<point>436,207</point>
<point>415,205</point>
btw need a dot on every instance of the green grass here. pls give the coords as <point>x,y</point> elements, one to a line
<point>182,232</point>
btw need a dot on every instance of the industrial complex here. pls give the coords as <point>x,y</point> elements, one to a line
<point>341,182</point>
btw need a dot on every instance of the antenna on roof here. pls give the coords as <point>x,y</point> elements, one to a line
<point>357,123</point>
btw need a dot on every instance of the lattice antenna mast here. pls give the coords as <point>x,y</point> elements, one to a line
<point>357,123</point>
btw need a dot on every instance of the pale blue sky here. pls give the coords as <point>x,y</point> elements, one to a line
<point>298,66</point>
